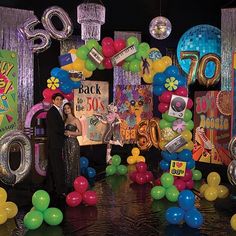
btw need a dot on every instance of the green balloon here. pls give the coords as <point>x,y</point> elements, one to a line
<point>172,194</point>
<point>197,175</point>
<point>130,58</point>
<point>132,41</point>
<point>89,65</point>
<point>53,216</point>
<point>101,67</point>
<point>158,192</point>
<point>41,200</point>
<point>110,170</point>
<point>189,125</point>
<point>82,52</point>
<point>168,118</point>
<point>164,124</point>
<point>122,169</point>
<point>33,219</point>
<point>92,43</point>
<point>187,115</point>
<point>134,65</point>
<point>116,160</point>
<point>144,46</point>
<point>142,53</point>
<point>125,66</point>
<point>167,180</point>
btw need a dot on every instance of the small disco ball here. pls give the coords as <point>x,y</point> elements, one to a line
<point>204,39</point>
<point>160,27</point>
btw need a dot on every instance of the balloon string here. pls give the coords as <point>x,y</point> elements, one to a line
<point>160,7</point>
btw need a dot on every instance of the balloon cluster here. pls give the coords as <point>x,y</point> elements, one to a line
<point>47,95</point>
<point>213,189</point>
<point>186,211</point>
<point>81,193</point>
<point>8,210</point>
<point>85,169</point>
<point>141,175</point>
<point>116,167</point>
<point>166,189</point>
<point>135,158</point>
<point>40,211</point>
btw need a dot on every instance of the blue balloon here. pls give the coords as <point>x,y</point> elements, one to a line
<point>91,172</point>
<point>76,84</point>
<point>158,90</point>
<point>65,88</point>
<point>164,165</point>
<point>186,199</point>
<point>190,164</point>
<point>55,71</point>
<point>84,163</point>
<point>174,215</point>
<point>168,157</point>
<point>83,171</point>
<point>182,81</point>
<point>171,71</point>
<point>185,155</point>
<point>159,79</point>
<point>193,218</point>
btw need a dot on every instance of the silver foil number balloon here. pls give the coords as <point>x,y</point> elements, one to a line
<point>64,18</point>
<point>31,34</point>
<point>7,175</point>
<point>231,172</point>
<point>160,27</point>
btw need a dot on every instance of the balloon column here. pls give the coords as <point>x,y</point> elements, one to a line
<point>85,169</point>
<point>81,193</point>
<point>116,167</point>
<point>40,211</point>
<point>135,157</point>
<point>8,210</point>
<point>186,211</point>
<point>213,189</point>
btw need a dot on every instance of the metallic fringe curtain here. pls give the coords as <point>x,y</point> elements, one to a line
<point>228,46</point>
<point>10,40</point>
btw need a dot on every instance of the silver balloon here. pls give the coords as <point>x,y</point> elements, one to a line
<point>231,172</point>
<point>232,148</point>
<point>7,175</point>
<point>65,19</point>
<point>28,32</point>
<point>160,27</point>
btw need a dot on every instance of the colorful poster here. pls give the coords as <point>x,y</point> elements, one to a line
<point>134,104</point>
<point>234,96</point>
<point>8,91</point>
<point>90,99</point>
<point>212,127</point>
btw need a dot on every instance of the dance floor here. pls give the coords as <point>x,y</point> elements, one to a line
<point>124,208</point>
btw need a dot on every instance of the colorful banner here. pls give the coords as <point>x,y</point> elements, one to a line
<point>234,96</point>
<point>8,91</point>
<point>134,104</point>
<point>90,99</point>
<point>212,126</point>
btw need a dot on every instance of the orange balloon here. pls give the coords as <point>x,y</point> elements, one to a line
<point>167,61</point>
<point>73,51</point>
<point>158,66</point>
<point>131,160</point>
<point>68,67</point>
<point>148,78</point>
<point>140,158</point>
<point>87,73</point>
<point>79,64</point>
<point>135,151</point>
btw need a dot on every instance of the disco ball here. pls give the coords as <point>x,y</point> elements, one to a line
<point>204,39</point>
<point>160,27</point>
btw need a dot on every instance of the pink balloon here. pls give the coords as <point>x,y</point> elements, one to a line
<point>107,41</point>
<point>119,44</point>
<point>141,178</point>
<point>149,176</point>
<point>90,198</point>
<point>108,51</point>
<point>81,184</point>
<point>132,176</point>
<point>189,184</point>
<point>181,91</point>
<point>73,199</point>
<point>190,103</point>
<point>188,175</point>
<point>179,184</point>
<point>157,182</point>
<point>163,107</point>
<point>141,167</point>
<point>107,63</point>
<point>165,97</point>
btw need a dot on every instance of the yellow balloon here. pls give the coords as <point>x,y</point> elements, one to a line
<point>148,78</point>
<point>3,216</point>
<point>140,158</point>
<point>11,209</point>
<point>213,179</point>
<point>187,135</point>
<point>233,222</point>
<point>131,160</point>
<point>73,51</point>
<point>131,168</point>
<point>167,61</point>
<point>68,67</point>
<point>135,151</point>
<point>222,191</point>
<point>158,66</point>
<point>3,195</point>
<point>162,144</point>
<point>79,64</point>
<point>203,189</point>
<point>210,194</point>
<point>87,73</point>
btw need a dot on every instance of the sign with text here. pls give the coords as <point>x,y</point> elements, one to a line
<point>91,98</point>
<point>95,56</point>
<point>8,91</point>
<point>178,168</point>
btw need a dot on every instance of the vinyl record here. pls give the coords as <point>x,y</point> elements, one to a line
<point>178,104</point>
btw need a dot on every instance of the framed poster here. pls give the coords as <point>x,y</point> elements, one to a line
<point>134,104</point>
<point>91,98</point>
<point>8,91</point>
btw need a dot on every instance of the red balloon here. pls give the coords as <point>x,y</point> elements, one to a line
<point>141,167</point>
<point>149,176</point>
<point>188,175</point>
<point>90,198</point>
<point>69,96</point>
<point>157,182</point>
<point>107,63</point>
<point>107,41</point>
<point>141,178</point>
<point>189,184</point>
<point>108,51</point>
<point>180,184</point>
<point>132,176</point>
<point>81,184</point>
<point>119,44</point>
<point>190,103</point>
<point>73,199</point>
<point>181,91</point>
<point>163,107</point>
<point>165,97</point>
